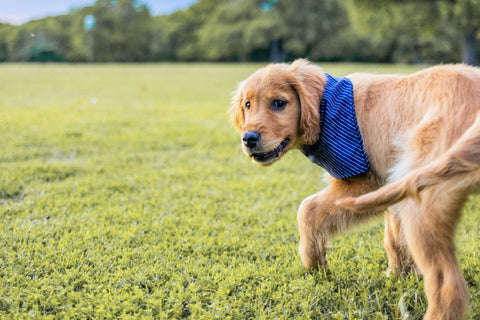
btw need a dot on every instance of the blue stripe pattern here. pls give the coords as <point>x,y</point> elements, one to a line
<point>339,149</point>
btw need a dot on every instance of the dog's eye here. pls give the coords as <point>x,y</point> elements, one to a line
<point>247,105</point>
<point>279,104</point>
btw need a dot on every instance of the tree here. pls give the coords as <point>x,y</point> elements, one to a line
<point>246,29</point>
<point>122,31</point>
<point>237,29</point>
<point>40,40</point>
<point>5,29</point>
<point>465,16</point>
<point>422,28</point>
<point>315,28</point>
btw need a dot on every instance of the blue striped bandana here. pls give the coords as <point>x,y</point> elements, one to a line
<point>339,149</point>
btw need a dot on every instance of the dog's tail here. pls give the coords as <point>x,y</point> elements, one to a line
<point>459,165</point>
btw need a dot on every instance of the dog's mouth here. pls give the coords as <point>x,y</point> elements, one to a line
<point>273,154</point>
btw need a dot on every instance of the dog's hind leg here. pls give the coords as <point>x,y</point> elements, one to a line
<point>399,256</point>
<point>318,217</point>
<point>429,228</point>
<point>459,164</point>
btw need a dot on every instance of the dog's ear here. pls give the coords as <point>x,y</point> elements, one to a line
<point>308,80</point>
<point>236,110</point>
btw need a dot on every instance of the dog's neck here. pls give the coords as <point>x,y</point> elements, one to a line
<point>339,148</point>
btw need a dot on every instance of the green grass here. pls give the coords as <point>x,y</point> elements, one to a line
<point>124,194</point>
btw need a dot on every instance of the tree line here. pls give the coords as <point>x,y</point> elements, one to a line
<point>419,31</point>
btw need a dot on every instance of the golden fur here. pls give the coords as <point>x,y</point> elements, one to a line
<point>422,136</point>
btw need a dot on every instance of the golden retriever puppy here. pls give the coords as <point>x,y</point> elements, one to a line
<point>407,143</point>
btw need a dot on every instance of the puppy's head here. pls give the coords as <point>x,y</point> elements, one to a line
<point>276,109</point>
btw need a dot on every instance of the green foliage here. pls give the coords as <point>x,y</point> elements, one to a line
<point>39,40</point>
<point>314,27</point>
<point>428,31</point>
<point>254,30</point>
<point>5,29</point>
<point>237,28</point>
<point>122,31</point>
<point>124,194</point>
<point>465,16</point>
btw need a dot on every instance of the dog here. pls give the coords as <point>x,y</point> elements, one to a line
<point>407,146</point>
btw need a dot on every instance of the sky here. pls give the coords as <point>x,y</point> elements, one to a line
<point>20,11</point>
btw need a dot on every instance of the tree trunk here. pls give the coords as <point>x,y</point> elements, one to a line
<point>277,54</point>
<point>469,53</point>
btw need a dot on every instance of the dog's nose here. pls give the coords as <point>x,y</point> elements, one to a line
<point>251,139</point>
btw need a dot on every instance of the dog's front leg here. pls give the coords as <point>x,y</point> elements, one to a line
<point>319,218</point>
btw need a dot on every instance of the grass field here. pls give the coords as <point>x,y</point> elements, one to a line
<point>124,194</point>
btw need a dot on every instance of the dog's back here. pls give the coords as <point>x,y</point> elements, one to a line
<point>443,103</point>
